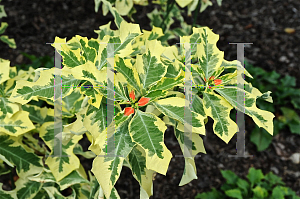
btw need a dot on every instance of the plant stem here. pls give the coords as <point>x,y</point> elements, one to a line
<point>169,8</point>
<point>196,15</point>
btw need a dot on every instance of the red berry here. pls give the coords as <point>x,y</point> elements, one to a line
<point>212,78</point>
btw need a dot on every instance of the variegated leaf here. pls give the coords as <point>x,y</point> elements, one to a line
<point>129,73</point>
<point>71,58</point>
<point>219,109</point>
<point>10,42</point>
<point>107,172</point>
<point>168,83</point>
<point>43,87</point>
<point>190,171</point>
<point>95,120</point>
<point>147,130</point>
<point>73,178</point>
<point>62,165</point>
<point>124,6</point>
<point>6,107</point>
<point>27,189</point>
<point>87,49</point>
<point>155,95</point>
<point>7,194</point>
<point>121,140</point>
<point>260,117</point>
<point>236,65</point>
<point>173,107</point>
<point>210,57</point>
<point>17,125</point>
<point>149,66</point>
<point>38,115</point>
<point>141,173</point>
<point>4,74</point>
<point>15,153</point>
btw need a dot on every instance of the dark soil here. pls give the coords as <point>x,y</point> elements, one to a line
<point>34,23</point>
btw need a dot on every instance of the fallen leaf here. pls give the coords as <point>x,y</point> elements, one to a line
<point>290,30</point>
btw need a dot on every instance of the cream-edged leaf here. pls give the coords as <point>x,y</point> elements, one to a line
<point>15,153</point>
<point>173,107</point>
<point>147,130</point>
<point>260,117</point>
<point>17,125</point>
<point>219,109</point>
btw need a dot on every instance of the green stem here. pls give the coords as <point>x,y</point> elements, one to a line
<point>169,8</point>
<point>195,16</point>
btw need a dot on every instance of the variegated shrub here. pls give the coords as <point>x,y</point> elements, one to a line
<point>163,17</point>
<point>148,96</point>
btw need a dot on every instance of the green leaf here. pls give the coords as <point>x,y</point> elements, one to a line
<point>147,130</point>
<point>288,81</point>
<point>260,192</point>
<point>291,118</point>
<point>234,193</point>
<point>210,195</point>
<point>260,138</point>
<point>273,179</point>
<point>278,193</point>
<point>255,176</point>
<point>243,185</point>
<point>2,12</point>
<point>229,176</point>
<point>3,26</point>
